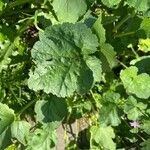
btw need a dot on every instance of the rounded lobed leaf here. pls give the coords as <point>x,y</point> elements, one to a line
<point>64,60</point>
<point>134,83</point>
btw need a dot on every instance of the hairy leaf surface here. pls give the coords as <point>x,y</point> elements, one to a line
<point>64,61</point>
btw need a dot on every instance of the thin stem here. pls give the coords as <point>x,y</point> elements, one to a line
<point>135,53</point>
<point>122,64</point>
<point>123,34</point>
<point>121,22</point>
<point>36,21</point>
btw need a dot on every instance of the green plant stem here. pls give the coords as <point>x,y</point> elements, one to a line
<point>26,107</point>
<point>123,34</point>
<point>122,64</point>
<point>135,53</point>
<point>121,22</point>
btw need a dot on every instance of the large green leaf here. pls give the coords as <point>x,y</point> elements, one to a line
<point>64,60</point>
<point>6,117</point>
<point>69,10</point>
<point>134,83</point>
<point>20,130</point>
<point>103,137</point>
<point>51,109</point>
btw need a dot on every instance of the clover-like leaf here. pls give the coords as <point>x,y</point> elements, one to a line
<point>6,117</point>
<point>64,60</point>
<point>134,83</point>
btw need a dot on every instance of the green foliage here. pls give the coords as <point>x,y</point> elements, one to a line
<point>135,83</point>
<point>111,3</point>
<point>6,117</point>
<point>70,10</point>
<point>62,57</point>
<point>20,130</point>
<point>83,65</point>
<point>52,109</point>
<point>139,5</point>
<point>41,139</point>
<point>103,137</point>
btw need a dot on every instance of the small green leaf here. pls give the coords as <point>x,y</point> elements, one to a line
<point>111,3</point>
<point>103,137</point>
<point>144,28</point>
<point>133,109</point>
<point>145,145</point>
<point>20,130</point>
<point>144,45</point>
<point>108,52</point>
<point>41,139</point>
<point>69,10</point>
<point>139,5</point>
<point>52,109</point>
<point>134,83</point>
<point>109,115</point>
<point>99,30</point>
<point>7,117</point>
<point>109,110</point>
<point>146,126</point>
